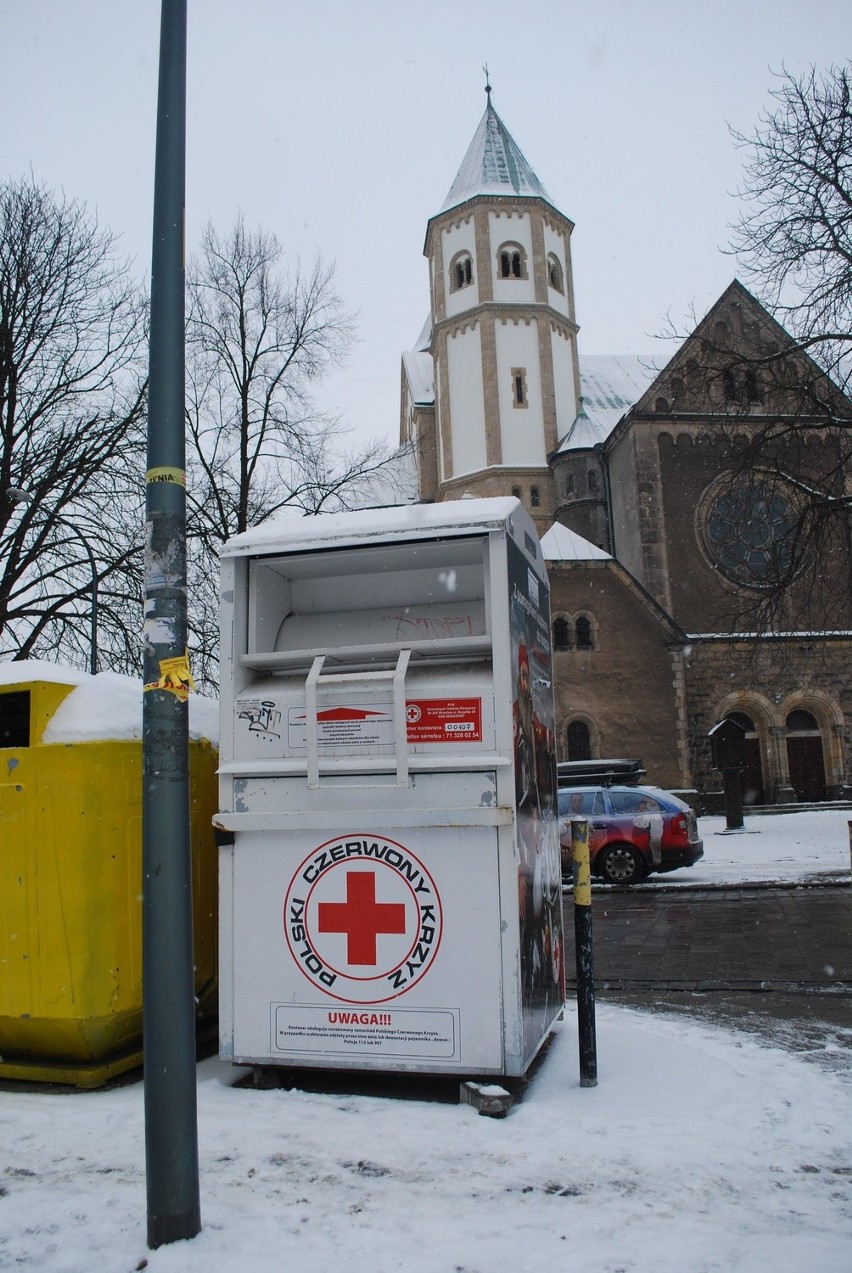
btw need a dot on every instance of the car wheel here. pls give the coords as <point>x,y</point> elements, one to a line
<point>620,864</point>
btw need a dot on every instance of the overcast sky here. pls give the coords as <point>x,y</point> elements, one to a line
<point>340,127</point>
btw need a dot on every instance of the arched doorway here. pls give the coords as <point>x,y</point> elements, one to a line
<point>752,776</point>
<point>805,756</point>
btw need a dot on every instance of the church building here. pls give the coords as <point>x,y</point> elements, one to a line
<point>652,535</point>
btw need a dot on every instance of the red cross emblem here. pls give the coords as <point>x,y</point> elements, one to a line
<point>361,917</point>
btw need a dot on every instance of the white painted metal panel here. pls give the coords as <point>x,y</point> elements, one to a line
<point>416,982</point>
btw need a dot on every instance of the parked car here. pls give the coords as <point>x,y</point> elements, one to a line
<point>633,831</point>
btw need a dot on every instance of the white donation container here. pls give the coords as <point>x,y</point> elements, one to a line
<point>389,861</point>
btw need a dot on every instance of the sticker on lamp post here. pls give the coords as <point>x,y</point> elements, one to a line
<point>363,919</point>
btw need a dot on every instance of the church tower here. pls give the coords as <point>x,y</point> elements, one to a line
<point>502,390</point>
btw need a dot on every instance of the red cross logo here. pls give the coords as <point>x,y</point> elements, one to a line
<point>361,917</point>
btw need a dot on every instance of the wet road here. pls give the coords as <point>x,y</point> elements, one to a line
<point>774,961</point>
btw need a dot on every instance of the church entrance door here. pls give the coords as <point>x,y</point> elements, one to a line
<point>804,756</point>
<point>807,769</point>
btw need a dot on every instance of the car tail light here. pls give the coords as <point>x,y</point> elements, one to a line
<point>680,824</point>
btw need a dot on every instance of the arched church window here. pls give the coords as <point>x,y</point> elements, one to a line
<point>461,271</point>
<point>661,404</point>
<point>516,491</point>
<point>569,484</point>
<point>519,387</point>
<point>512,261</point>
<point>729,386</point>
<point>802,722</point>
<point>753,390</point>
<point>592,482</point>
<point>554,273</point>
<point>583,633</point>
<point>535,498</point>
<point>579,741</point>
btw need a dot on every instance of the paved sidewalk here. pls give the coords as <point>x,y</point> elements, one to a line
<point>775,962</point>
<point>733,939</point>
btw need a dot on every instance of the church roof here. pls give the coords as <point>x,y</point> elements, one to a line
<point>561,544</point>
<point>609,384</point>
<point>420,373</point>
<point>494,165</point>
<point>585,432</point>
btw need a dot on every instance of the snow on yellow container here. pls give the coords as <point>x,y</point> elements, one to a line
<point>71,871</point>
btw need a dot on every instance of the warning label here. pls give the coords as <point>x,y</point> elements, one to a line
<point>343,1032</point>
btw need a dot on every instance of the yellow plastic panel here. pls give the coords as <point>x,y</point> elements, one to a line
<point>71,896</point>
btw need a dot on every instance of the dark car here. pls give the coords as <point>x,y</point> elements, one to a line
<point>633,831</point>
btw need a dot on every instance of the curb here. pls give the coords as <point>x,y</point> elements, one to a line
<point>836,880</point>
<point>815,989</point>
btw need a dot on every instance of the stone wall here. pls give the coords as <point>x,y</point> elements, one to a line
<point>624,688</point>
<point>767,680</point>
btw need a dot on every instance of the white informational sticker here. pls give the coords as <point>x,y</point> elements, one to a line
<point>342,726</point>
<point>399,1032</point>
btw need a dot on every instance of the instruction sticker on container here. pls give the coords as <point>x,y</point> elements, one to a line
<point>444,720</point>
<point>428,720</point>
<point>342,726</point>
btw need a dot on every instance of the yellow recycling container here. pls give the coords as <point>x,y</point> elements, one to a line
<point>71,872</point>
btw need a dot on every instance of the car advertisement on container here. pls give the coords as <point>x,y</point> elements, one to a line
<point>539,869</point>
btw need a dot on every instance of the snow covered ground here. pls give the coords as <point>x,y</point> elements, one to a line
<point>700,1149</point>
<point>781,848</point>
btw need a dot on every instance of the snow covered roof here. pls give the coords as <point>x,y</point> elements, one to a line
<point>493,165</point>
<point>103,707</point>
<point>21,671</point>
<point>561,544</point>
<point>584,432</point>
<point>610,384</point>
<point>406,521</point>
<point>423,344</point>
<point>420,373</point>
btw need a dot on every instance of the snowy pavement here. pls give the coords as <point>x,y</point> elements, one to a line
<point>782,848</point>
<point>701,1149</point>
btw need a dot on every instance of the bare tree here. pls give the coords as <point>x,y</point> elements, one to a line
<point>260,337</point>
<point>71,410</point>
<point>795,240</point>
<point>774,384</point>
<point>795,236</point>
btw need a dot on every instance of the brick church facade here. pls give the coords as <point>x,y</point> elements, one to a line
<point>655,539</point>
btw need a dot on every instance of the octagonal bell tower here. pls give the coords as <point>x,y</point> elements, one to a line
<point>503,334</point>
